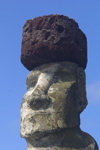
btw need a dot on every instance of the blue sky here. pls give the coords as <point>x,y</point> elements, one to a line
<point>13,15</point>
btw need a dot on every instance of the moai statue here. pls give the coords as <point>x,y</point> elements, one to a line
<point>54,49</point>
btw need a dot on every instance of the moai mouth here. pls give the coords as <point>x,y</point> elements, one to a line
<point>56,92</point>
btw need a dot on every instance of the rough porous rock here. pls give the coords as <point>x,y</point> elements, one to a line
<point>53,38</point>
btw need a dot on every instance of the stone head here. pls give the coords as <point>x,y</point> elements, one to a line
<point>54,99</point>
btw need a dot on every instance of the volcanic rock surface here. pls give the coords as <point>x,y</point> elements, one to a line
<point>53,38</point>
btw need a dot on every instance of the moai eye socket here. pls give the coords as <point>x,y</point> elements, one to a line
<point>39,104</point>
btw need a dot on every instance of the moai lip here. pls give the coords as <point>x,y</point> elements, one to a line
<point>53,38</point>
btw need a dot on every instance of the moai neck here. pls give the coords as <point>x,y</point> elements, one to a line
<point>54,50</point>
<point>66,139</point>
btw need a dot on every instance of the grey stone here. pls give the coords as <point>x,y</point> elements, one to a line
<point>65,139</point>
<point>54,99</point>
<point>51,107</point>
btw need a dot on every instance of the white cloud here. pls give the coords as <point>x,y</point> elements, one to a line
<point>93,91</point>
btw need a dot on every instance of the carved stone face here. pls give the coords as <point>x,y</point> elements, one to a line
<point>54,99</point>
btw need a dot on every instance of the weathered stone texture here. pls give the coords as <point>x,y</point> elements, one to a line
<point>53,38</point>
<point>66,139</point>
<point>51,107</point>
<point>55,97</point>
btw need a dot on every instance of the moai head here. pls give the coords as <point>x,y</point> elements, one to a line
<point>57,49</point>
<point>54,99</point>
<point>54,49</point>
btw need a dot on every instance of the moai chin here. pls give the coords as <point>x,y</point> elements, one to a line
<point>54,49</point>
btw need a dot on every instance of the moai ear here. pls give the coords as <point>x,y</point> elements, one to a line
<point>81,92</point>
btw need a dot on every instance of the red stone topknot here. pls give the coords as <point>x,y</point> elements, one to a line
<point>53,38</point>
